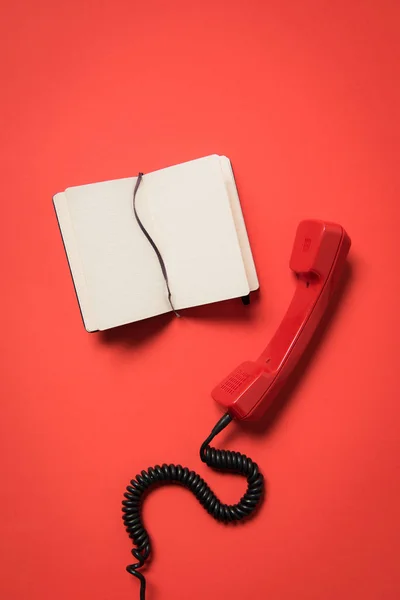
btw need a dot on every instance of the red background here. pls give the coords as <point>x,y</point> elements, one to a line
<point>304,99</point>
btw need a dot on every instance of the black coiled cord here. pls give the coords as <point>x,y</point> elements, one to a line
<point>217,459</point>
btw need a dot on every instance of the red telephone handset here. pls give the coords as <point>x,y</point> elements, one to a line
<point>319,253</point>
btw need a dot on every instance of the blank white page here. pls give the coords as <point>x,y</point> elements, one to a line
<point>187,212</point>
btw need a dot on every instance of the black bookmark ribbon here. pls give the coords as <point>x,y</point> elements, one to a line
<point>152,243</point>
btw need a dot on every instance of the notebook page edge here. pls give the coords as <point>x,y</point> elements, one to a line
<point>240,224</point>
<point>60,203</point>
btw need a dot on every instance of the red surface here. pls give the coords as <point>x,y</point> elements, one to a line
<point>318,259</point>
<point>304,98</point>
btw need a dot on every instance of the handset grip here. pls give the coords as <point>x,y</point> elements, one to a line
<point>318,256</point>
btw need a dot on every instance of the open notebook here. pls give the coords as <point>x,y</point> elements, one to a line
<point>193,214</point>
